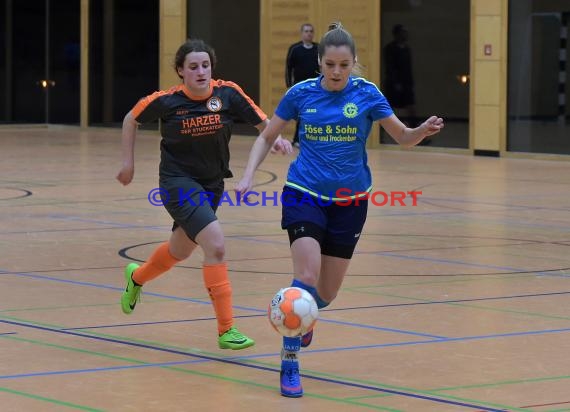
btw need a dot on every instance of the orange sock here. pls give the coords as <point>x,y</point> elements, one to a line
<point>220,291</point>
<point>159,262</point>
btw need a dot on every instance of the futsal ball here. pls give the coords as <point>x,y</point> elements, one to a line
<point>293,312</point>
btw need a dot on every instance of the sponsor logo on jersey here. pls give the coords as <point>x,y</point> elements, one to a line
<point>350,110</point>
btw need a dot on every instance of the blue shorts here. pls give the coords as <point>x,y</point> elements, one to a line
<point>337,228</point>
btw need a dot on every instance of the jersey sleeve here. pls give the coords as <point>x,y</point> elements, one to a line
<point>380,108</point>
<point>287,109</point>
<point>151,108</point>
<point>243,106</point>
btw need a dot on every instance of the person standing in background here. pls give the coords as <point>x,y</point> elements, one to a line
<point>399,80</point>
<point>302,63</point>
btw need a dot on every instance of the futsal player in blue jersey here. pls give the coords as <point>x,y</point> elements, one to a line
<point>325,196</point>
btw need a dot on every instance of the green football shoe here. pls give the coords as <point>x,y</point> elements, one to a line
<point>234,339</point>
<point>132,292</point>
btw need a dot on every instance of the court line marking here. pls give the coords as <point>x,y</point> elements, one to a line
<point>205,302</point>
<point>50,400</point>
<point>397,344</point>
<point>247,382</point>
<point>264,368</point>
<point>196,361</point>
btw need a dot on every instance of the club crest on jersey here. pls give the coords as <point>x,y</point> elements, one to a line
<point>214,104</point>
<point>350,110</point>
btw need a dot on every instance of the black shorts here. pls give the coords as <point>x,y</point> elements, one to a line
<point>337,228</point>
<point>192,205</point>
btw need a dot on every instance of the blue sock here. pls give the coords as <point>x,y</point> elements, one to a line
<point>292,344</point>
<point>313,291</point>
<point>298,284</point>
<point>320,302</point>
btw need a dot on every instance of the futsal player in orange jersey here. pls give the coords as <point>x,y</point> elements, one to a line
<point>196,122</point>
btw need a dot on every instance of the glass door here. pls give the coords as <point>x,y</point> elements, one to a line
<point>39,69</point>
<point>538,92</point>
<point>425,65</point>
<point>123,58</point>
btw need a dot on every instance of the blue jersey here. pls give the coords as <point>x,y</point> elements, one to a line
<point>333,129</point>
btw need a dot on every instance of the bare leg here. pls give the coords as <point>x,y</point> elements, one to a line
<point>333,270</point>
<point>306,253</point>
<point>180,245</point>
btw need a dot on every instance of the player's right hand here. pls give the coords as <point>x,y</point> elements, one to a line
<point>125,175</point>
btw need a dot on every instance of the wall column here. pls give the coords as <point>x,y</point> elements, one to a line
<point>488,77</point>
<point>84,64</point>
<point>280,25</point>
<point>172,33</point>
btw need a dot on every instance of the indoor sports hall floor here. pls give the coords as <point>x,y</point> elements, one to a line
<point>461,303</point>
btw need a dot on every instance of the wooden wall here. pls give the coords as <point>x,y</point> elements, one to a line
<point>280,22</point>
<point>488,97</point>
<point>280,27</point>
<point>172,34</point>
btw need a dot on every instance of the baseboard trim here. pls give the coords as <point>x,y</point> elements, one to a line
<point>489,153</point>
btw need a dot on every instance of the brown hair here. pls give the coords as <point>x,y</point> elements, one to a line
<point>193,45</point>
<point>338,36</point>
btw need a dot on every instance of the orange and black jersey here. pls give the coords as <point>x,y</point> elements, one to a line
<point>196,131</point>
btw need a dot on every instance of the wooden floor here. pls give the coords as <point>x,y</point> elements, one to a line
<point>461,303</point>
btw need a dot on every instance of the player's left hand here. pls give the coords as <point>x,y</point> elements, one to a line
<point>432,125</point>
<point>243,186</point>
<point>282,146</point>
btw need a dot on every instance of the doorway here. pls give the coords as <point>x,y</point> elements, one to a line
<point>39,69</point>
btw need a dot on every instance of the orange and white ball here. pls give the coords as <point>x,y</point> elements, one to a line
<point>293,311</point>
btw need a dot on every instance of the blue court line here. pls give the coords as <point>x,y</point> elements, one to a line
<point>338,322</point>
<point>317,378</point>
<point>258,367</point>
<point>101,286</point>
<point>202,302</point>
<point>461,214</point>
<point>441,302</point>
<point>444,261</point>
<point>90,370</point>
<point>503,205</point>
<point>161,322</point>
<point>444,340</point>
<point>460,263</point>
<point>490,219</point>
<point>331,310</point>
<point>21,232</point>
<point>359,325</point>
<point>262,311</point>
<point>104,222</point>
<point>115,225</point>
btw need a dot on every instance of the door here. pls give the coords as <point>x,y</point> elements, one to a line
<point>40,65</point>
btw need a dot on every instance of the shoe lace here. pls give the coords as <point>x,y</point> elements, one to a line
<point>233,333</point>
<point>292,376</point>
